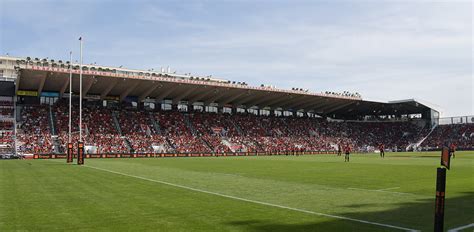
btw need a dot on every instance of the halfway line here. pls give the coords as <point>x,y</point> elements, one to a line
<point>254,201</point>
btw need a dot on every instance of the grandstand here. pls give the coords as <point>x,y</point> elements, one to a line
<point>144,112</point>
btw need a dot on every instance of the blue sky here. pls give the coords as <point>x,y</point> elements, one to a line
<point>385,50</point>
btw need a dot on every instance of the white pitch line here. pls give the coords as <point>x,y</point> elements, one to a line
<point>328,187</point>
<point>387,189</point>
<point>384,191</point>
<point>461,228</point>
<point>254,201</point>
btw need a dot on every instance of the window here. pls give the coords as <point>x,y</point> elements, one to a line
<point>149,105</point>
<point>48,100</point>
<point>212,109</point>
<point>165,106</point>
<point>1,72</point>
<point>252,111</point>
<point>182,108</point>
<point>227,110</point>
<point>287,113</point>
<point>198,108</point>
<point>264,112</point>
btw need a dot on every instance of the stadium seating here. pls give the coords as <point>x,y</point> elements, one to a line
<point>138,128</point>
<point>7,143</point>
<point>462,135</point>
<point>6,125</point>
<point>213,128</point>
<point>181,138</point>
<point>34,135</point>
<point>98,128</point>
<point>122,130</point>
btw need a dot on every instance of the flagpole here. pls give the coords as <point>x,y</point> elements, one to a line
<point>80,95</point>
<point>70,96</point>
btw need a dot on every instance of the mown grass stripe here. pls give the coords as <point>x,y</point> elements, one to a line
<point>254,201</point>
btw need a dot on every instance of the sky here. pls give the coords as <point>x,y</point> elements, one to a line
<point>385,50</point>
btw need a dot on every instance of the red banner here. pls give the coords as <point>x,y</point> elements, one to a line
<point>145,155</point>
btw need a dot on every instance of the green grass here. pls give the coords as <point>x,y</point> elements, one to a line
<point>49,195</point>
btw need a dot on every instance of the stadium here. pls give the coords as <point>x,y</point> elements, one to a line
<point>281,167</point>
<point>236,116</point>
<point>142,112</point>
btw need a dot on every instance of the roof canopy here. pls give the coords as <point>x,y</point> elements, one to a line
<point>101,84</point>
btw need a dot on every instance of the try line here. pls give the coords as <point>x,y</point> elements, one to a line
<point>254,201</point>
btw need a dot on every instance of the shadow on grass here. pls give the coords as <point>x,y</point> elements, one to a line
<point>459,211</point>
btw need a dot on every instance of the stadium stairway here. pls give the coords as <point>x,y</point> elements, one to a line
<point>287,125</point>
<point>189,124</point>
<point>418,143</point>
<point>170,143</point>
<point>119,129</point>
<point>237,127</point>
<point>116,122</point>
<point>226,142</point>
<point>259,146</point>
<point>18,110</point>
<point>129,145</point>
<point>51,121</point>
<point>207,144</point>
<point>52,126</point>
<point>155,124</point>
<point>57,145</point>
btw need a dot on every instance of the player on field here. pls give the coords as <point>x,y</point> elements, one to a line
<point>339,150</point>
<point>452,149</point>
<point>382,150</point>
<point>347,150</point>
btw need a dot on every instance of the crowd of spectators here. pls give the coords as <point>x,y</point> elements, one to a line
<point>213,128</point>
<point>344,93</point>
<point>6,112</point>
<point>6,103</point>
<point>138,128</point>
<point>252,133</point>
<point>461,135</point>
<point>141,131</point>
<point>6,142</point>
<point>6,116</point>
<point>7,127</point>
<point>98,128</point>
<point>181,139</point>
<point>34,135</point>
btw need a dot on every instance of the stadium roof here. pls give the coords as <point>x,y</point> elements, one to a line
<point>117,83</point>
